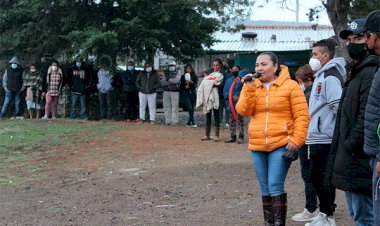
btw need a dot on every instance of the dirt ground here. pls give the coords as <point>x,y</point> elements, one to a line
<point>147,175</point>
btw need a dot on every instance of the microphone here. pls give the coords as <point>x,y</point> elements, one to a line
<point>250,77</point>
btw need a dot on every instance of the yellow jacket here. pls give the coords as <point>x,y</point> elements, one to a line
<point>277,116</point>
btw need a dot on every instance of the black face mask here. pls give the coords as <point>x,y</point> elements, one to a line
<point>356,51</point>
<point>235,73</point>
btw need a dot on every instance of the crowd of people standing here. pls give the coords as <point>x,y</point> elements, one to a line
<point>328,116</point>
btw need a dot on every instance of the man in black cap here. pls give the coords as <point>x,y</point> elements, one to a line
<point>351,172</point>
<point>372,116</point>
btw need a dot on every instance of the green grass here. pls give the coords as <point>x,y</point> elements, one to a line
<point>24,140</point>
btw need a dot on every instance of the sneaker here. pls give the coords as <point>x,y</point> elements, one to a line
<point>227,125</point>
<point>128,120</point>
<point>152,122</point>
<point>322,220</point>
<point>19,117</point>
<point>45,117</point>
<point>136,121</point>
<point>305,215</point>
<point>240,141</point>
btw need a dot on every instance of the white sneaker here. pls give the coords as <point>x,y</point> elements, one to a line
<point>305,215</point>
<point>322,220</point>
<point>45,117</point>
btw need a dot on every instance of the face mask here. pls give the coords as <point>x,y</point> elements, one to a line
<point>13,66</point>
<point>315,64</point>
<point>356,51</point>
<point>225,67</point>
<point>33,70</point>
<point>216,68</point>
<point>172,68</point>
<point>78,64</point>
<point>148,69</point>
<point>303,86</point>
<point>235,73</point>
<point>54,68</point>
<point>131,68</point>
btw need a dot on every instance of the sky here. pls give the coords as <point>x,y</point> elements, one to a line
<point>273,11</point>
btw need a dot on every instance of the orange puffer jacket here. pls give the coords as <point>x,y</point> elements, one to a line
<point>277,116</point>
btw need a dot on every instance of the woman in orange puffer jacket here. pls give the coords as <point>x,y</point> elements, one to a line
<point>279,122</point>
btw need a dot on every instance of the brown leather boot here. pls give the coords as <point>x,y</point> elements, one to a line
<point>268,210</point>
<point>216,138</point>
<point>279,209</point>
<point>207,131</point>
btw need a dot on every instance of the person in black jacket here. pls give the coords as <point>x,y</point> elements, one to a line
<point>348,166</point>
<point>131,92</point>
<point>148,82</point>
<point>372,116</point>
<point>79,79</point>
<point>189,83</point>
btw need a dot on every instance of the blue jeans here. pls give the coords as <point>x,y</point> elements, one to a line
<point>360,208</point>
<point>83,107</point>
<point>8,98</point>
<point>271,170</point>
<point>376,193</point>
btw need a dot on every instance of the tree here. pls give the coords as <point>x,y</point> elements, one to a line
<point>342,11</point>
<point>135,28</point>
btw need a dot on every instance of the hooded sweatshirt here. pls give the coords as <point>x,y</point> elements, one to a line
<point>14,79</point>
<point>324,101</point>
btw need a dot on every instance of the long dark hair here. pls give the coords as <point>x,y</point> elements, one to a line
<point>273,57</point>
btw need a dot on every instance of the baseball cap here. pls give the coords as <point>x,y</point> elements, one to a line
<point>372,22</point>
<point>356,27</point>
<point>172,63</point>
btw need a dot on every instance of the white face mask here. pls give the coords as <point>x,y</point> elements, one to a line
<point>303,86</point>
<point>148,69</point>
<point>54,68</point>
<point>172,68</point>
<point>315,64</point>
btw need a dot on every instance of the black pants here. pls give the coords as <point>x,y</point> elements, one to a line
<point>105,104</point>
<point>131,105</point>
<point>189,96</point>
<point>310,192</point>
<point>318,160</point>
<point>216,118</point>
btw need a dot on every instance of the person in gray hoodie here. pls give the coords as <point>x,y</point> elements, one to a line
<point>14,84</point>
<point>323,108</point>
<point>105,86</point>
<point>170,84</point>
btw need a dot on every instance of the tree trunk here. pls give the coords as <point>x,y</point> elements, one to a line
<point>337,10</point>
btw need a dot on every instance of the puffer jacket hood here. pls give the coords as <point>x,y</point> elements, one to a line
<point>15,60</point>
<point>278,116</point>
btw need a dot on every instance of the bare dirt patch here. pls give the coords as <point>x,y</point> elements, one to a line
<point>146,175</point>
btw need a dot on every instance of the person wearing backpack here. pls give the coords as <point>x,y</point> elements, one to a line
<point>324,100</point>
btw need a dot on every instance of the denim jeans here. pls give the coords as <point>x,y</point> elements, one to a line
<point>375,193</point>
<point>8,98</point>
<point>83,106</point>
<point>271,170</point>
<point>311,203</point>
<point>360,208</point>
<point>189,97</point>
<point>105,104</point>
